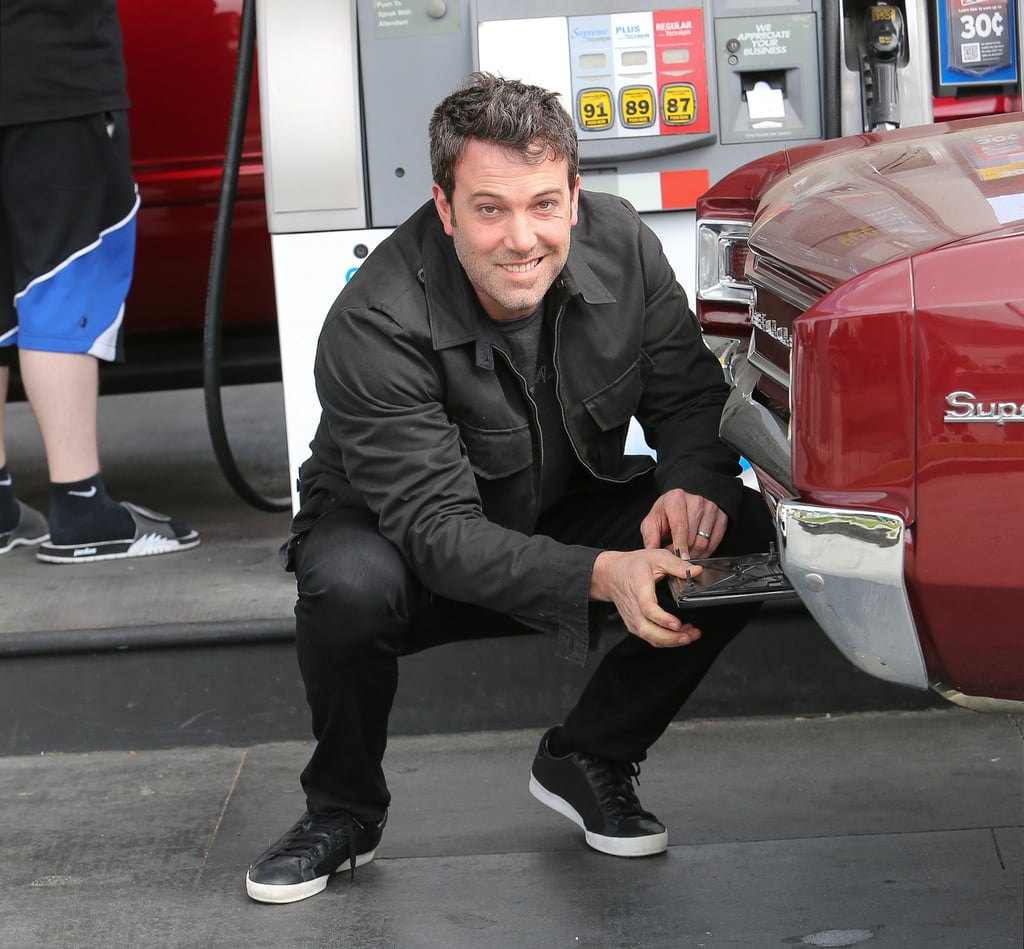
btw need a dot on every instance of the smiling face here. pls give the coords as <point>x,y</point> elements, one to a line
<point>510,222</point>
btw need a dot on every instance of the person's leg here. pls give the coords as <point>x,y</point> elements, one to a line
<point>586,769</point>
<point>19,524</point>
<point>636,690</point>
<point>73,244</point>
<point>5,378</point>
<point>349,626</point>
<point>63,390</point>
<point>359,608</point>
<point>8,328</point>
<point>9,513</point>
<point>70,204</point>
<point>352,615</point>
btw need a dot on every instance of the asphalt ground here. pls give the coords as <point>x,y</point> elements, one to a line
<point>890,829</point>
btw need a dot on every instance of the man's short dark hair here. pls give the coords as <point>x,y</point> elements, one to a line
<point>530,121</point>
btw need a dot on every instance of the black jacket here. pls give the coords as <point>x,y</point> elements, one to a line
<point>426,424</point>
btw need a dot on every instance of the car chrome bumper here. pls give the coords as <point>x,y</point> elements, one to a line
<point>752,429</point>
<point>847,567</point>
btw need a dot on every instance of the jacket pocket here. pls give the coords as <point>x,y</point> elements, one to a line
<point>613,406</point>
<point>497,453</point>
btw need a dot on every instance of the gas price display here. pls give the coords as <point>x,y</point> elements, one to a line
<point>627,69</point>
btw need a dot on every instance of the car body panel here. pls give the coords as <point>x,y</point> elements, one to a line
<point>970,524</point>
<point>853,395</point>
<point>889,199</point>
<point>180,63</point>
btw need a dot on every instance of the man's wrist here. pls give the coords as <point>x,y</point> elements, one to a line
<point>599,576</point>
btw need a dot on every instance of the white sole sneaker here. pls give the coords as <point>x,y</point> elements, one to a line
<point>292,893</point>
<point>615,846</point>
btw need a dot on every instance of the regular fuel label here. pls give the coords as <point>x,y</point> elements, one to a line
<point>682,70</point>
<point>678,104</point>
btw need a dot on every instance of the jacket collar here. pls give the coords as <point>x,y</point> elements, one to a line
<point>578,278</point>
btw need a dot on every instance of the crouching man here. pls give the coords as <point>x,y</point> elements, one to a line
<point>468,477</point>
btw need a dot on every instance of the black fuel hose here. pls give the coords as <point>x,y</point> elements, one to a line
<point>214,310</point>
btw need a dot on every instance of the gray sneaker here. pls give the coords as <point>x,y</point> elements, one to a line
<point>31,528</point>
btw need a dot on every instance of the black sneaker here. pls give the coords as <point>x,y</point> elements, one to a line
<point>598,795</point>
<point>298,865</point>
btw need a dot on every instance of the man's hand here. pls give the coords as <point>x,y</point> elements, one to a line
<point>627,579</point>
<point>689,524</point>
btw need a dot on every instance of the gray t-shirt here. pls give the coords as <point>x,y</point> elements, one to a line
<point>528,341</point>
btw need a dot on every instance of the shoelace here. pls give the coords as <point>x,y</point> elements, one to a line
<point>349,821</point>
<point>297,840</point>
<point>351,847</point>
<point>614,782</point>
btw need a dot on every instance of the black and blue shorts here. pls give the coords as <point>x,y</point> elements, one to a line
<point>67,235</point>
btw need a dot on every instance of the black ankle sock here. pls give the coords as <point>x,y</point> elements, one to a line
<point>10,514</point>
<point>81,512</point>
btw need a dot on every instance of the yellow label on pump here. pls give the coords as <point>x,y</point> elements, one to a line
<point>594,109</point>
<point>678,103</point>
<point>636,107</point>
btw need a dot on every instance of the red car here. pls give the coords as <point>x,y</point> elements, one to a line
<point>873,290</point>
<point>180,62</point>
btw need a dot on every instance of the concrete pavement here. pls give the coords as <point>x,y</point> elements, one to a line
<point>897,829</point>
<point>156,451</point>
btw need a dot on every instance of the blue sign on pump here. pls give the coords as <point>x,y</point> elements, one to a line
<point>976,44</point>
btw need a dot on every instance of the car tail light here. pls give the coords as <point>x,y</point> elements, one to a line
<point>721,259</point>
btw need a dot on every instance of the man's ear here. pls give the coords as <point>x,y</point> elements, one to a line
<point>574,202</point>
<point>444,209</point>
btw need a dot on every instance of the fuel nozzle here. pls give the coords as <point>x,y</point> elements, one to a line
<point>884,36</point>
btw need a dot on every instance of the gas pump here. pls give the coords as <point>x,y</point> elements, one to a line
<point>667,95</point>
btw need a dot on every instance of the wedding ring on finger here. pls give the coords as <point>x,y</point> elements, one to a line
<point>704,534</point>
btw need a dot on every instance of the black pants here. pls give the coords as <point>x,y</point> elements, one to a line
<point>360,608</point>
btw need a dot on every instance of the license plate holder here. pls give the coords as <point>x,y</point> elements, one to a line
<point>750,578</point>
